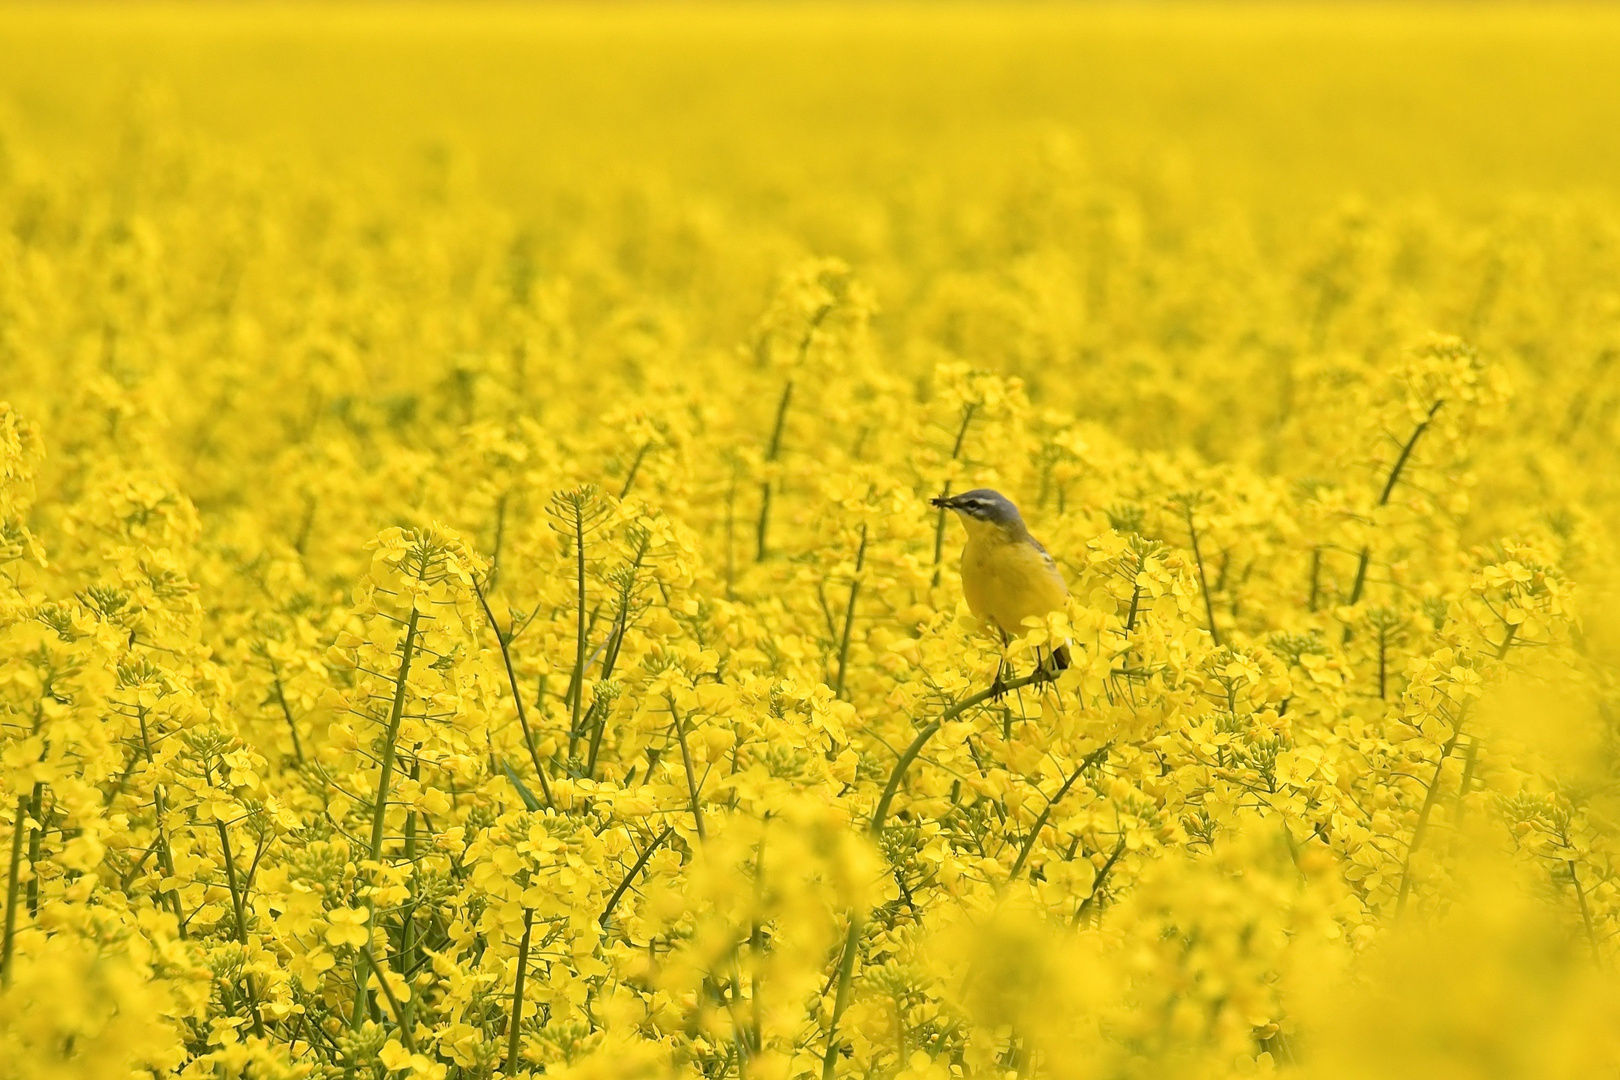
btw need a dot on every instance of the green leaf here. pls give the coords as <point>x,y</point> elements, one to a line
<point>524,793</point>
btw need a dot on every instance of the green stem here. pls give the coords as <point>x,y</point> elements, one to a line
<point>159,812</point>
<point>1040,822</point>
<point>1586,912</point>
<point>629,878</point>
<point>118,787</point>
<point>500,540</point>
<point>731,531</point>
<point>691,776</point>
<point>581,633</point>
<point>395,713</point>
<point>1203,583</point>
<point>846,967</point>
<point>1420,831</point>
<point>1467,778</point>
<point>513,1028</point>
<point>849,616</point>
<point>1389,489</point>
<point>846,982</point>
<point>385,777</point>
<point>11,889</point>
<point>771,455</point>
<point>35,838</point>
<point>405,1036</point>
<point>756,944</point>
<point>407,930</point>
<point>739,1033</point>
<point>286,711</point>
<point>135,868</point>
<point>945,493</point>
<point>517,697</point>
<point>635,467</point>
<point>875,828</point>
<point>1383,661</point>
<point>239,907</point>
<point>302,540</point>
<point>1097,884</point>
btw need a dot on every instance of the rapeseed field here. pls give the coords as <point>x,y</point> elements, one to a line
<point>470,605</point>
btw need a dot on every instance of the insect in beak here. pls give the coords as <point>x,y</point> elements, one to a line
<point>943,504</point>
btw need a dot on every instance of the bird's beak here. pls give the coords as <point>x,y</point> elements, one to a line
<point>943,504</point>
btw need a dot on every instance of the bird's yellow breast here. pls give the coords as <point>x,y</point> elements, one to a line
<point>1008,579</point>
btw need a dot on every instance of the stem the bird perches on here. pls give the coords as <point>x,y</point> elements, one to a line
<point>874,829</point>
<point>929,730</point>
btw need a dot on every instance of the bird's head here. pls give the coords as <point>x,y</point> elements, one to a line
<point>983,507</point>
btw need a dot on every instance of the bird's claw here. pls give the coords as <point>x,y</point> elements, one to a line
<point>998,685</point>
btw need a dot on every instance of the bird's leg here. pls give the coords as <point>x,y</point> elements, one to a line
<point>998,685</point>
<point>1053,662</point>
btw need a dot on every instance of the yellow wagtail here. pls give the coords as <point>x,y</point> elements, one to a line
<point>1007,576</point>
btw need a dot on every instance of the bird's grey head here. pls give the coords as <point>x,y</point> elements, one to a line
<point>982,504</point>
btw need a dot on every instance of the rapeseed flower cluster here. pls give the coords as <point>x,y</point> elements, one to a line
<point>438,642</point>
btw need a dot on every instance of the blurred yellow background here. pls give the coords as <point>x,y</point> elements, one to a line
<point>1274,105</point>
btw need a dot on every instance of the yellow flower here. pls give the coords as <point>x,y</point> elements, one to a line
<point>347,926</point>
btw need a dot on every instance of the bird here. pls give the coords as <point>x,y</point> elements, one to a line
<point>1007,576</point>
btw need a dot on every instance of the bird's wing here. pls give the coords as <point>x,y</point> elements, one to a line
<point>1046,556</point>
